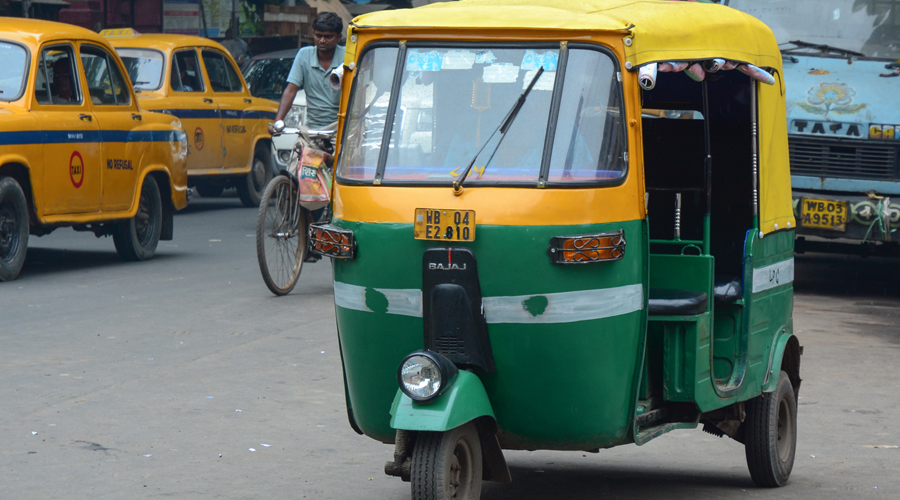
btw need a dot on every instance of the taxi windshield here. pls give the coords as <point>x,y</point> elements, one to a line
<point>145,67</point>
<point>12,78</point>
<point>444,104</point>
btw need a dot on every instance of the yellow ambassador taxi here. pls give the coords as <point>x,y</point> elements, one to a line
<point>76,149</point>
<point>197,80</point>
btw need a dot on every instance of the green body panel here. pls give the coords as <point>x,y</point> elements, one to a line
<point>681,344</point>
<point>685,360</point>
<point>557,385</point>
<point>770,314</point>
<point>464,401</point>
<point>684,272</point>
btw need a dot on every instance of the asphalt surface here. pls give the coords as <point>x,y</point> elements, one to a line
<point>183,377</point>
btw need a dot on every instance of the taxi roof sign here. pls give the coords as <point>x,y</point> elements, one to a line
<point>119,32</point>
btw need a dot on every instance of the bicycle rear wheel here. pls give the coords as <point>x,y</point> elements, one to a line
<point>281,235</point>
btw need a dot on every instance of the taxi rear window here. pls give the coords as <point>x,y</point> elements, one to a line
<point>13,60</point>
<point>145,67</point>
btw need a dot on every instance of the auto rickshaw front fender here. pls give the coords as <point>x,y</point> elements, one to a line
<point>462,402</point>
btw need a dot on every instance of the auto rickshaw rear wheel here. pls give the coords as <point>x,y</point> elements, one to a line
<point>447,465</point>
<point>770,434</point>
<point>13,228</point>
<point>136,238</point>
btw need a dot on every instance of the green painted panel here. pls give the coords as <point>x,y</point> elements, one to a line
<point>567,387</point>
<point>770,310</point>
<point>464,401</point>
<point>557,386</point>
<point>685,355</point>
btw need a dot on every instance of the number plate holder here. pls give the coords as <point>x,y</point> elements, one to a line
<point>823,214</point>
<point>438,224</point>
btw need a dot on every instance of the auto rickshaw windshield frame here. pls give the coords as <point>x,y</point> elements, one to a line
<point>550,127</point>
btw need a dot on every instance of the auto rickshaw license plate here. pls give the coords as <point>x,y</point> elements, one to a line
<point>823,214</point>
<point>446,225</point>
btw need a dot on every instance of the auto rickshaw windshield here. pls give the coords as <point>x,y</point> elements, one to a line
<point>451,100</point>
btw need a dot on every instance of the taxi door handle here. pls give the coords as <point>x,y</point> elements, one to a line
<point>86,117</point>
<point>135,116</point>
<point>207,99</point>
<point>248,100</point>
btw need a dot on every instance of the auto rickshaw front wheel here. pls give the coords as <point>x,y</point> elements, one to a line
<point>770,434</point>
<point>447,465</point>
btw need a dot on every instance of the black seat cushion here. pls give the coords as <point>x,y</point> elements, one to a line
<point>666,302</point>
<point>727,289</point>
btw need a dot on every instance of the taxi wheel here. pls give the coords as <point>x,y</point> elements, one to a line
<point>250,190</point>
<point>13,228</point>
<point>447,465</point>
<point>770,438</point>
<point>137,237</point>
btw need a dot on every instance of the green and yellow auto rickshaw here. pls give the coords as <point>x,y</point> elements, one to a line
<point>562,226</point>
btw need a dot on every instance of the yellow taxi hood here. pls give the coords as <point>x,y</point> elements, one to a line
<point>660,30</point>
<point>35,31</point>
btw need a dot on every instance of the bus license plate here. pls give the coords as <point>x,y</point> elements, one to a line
<point>444,225</point>
<point>823,214</point>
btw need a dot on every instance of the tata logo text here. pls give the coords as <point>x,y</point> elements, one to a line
<point>834,129</point>
<point>236,129</point>
<point>437,266</point>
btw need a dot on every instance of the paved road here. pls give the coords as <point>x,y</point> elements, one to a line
<point>156,379</point>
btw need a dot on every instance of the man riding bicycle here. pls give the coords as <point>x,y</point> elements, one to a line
<point>311,69</point>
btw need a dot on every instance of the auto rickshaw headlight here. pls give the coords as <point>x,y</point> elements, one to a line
<point>424,375</point>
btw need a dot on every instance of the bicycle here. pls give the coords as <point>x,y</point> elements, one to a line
<point>282,225</point>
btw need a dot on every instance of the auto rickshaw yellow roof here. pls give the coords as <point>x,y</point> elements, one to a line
<point>36,31</point>
<point>162,41</point>
<point>660,30</point>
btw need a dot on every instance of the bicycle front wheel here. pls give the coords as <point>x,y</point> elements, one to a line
<point>281,235</point>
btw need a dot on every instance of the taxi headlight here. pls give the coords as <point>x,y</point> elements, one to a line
<point>424,375</point>
<point>295,117</point>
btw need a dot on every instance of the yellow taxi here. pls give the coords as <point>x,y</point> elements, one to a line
<point>197,80</point>
<point>76,149</point>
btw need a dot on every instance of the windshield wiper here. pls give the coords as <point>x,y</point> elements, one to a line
<point>502,128</point>
<point>800,44</point>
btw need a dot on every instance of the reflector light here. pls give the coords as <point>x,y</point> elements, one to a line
<point>331,241</point>
<point>587,248</point>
